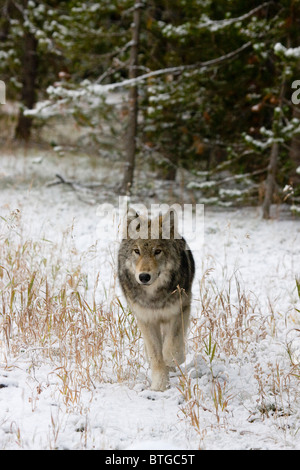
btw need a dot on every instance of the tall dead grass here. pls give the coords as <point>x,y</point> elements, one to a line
<point>233,327</point>
<point>45,308</point>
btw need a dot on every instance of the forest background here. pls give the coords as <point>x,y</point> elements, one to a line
<point>213,89</point>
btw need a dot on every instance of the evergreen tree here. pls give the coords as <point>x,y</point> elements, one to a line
<point>30,58</point>
<point>275,141</point>
<point>214,83</point>
<point>94,40</point>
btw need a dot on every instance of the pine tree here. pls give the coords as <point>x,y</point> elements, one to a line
<point>94,41</point>
<point>194,115</point>
<point>30,58</point>
<point>276,141</point>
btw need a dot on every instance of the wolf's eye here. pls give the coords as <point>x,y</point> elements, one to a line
<point>137,251</point>
<point>157,252</point>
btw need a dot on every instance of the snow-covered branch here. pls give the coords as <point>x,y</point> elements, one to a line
<point>207,23</point>
<point>215,25</point>
<point>100,89</point>
<point>87,89</point>
<point>288,52</point>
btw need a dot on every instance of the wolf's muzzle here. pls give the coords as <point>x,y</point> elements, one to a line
<point>144,278</point>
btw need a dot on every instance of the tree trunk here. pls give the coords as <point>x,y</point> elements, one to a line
<point>133,103</point>
<point>270,181</point>
<point>28,94</point>
<point>295,152</point>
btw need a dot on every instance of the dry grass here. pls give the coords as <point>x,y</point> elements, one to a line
<point>229,317</point>
<point>49,313</point>
<point>45,307</point>
<point>233,328</point>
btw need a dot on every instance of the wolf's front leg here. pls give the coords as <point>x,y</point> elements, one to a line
<point>153,344</point>
<point>174,333</point>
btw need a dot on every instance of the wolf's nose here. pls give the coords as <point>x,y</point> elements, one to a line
<point>144,278</point>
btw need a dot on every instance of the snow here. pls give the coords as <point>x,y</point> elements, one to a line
<point>290,52</point>
<point>257,403</point>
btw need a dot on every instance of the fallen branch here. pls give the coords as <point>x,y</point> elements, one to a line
<point>61,181</point>
<point>75,186</point>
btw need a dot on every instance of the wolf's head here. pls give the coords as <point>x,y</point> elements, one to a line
<point>150,246</point>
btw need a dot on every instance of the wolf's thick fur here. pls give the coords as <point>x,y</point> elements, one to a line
<point>156,276</point>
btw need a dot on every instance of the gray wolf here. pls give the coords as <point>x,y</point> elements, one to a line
<point>156,276</point>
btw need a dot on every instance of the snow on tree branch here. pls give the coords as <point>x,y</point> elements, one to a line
<point>87,88</point>
<point>209,24</point>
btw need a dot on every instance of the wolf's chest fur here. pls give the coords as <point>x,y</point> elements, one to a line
<point>159,302</point>
<point>153,315</point>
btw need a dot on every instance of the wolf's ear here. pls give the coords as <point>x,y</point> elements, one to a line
<point>169,224</point>
<point>135,226</point>
<point>131,215</point>
<point>127,218</point>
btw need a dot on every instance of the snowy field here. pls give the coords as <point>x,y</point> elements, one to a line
<point>72,368</point>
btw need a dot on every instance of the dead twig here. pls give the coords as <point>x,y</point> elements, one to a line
<point>76,187</point>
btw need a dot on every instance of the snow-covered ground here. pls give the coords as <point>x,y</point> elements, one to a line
<point>239,387</point>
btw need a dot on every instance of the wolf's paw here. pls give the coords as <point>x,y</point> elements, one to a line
<point>160,381</point>
<point>173,359</point>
